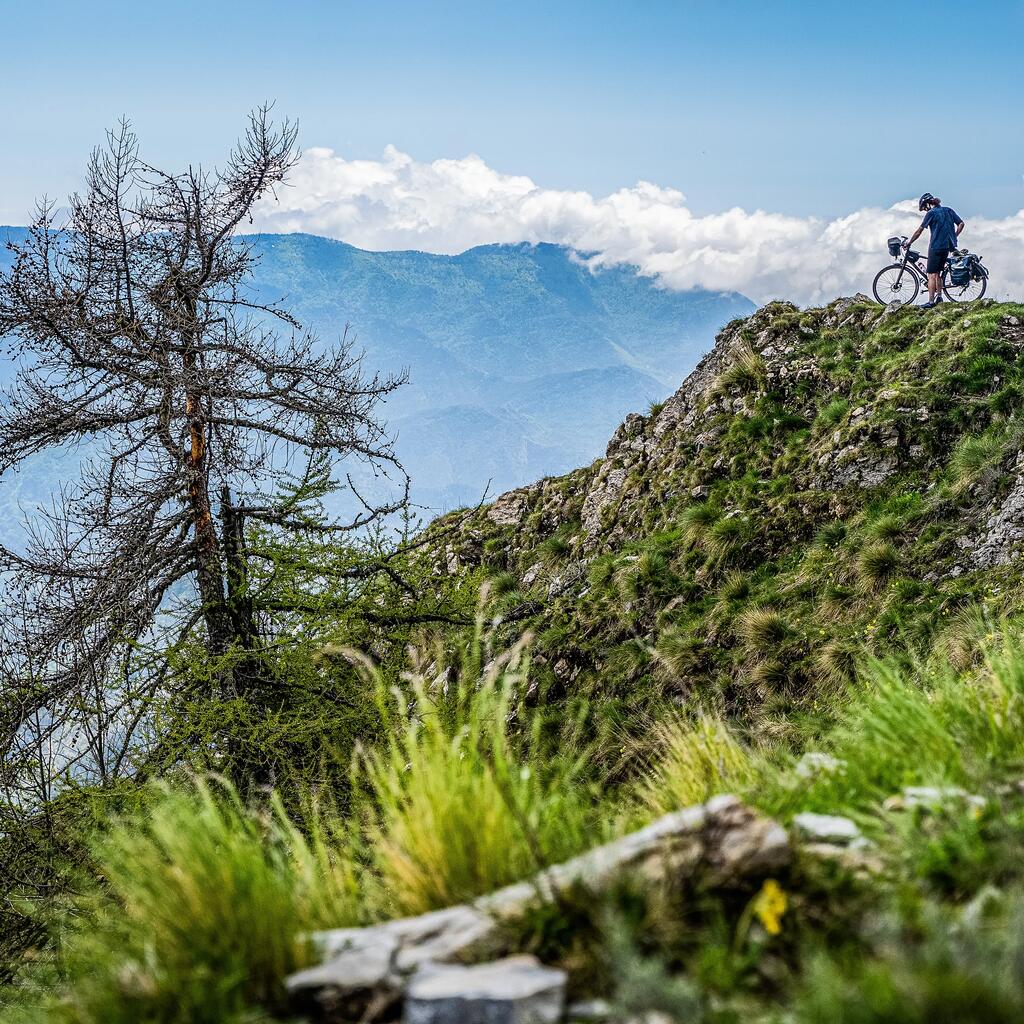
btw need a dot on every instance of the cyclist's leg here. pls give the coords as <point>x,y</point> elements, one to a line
<point>936,261</point>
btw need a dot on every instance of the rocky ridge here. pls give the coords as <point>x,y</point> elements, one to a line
<point>853,455</point>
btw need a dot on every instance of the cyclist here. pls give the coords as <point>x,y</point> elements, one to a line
<point>945,226</point>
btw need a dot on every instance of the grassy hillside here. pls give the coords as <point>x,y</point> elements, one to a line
<point>797,580</point>
<point>827,484</point>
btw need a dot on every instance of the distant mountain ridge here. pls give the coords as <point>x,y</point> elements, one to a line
<point>521,358</point>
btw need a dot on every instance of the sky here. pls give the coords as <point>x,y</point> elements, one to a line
<point>654,131</point>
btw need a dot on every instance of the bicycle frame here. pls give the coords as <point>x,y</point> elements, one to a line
<point>917,264</point>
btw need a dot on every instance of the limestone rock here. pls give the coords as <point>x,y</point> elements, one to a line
<point>516,990</point>
<point>828,828</point>
<point>358,975</point>
<point>1000,540</point>
<point>740,843</point>
<point>935,798</point>
<point>366,967</point>
<point>814,764</point>
<point>508,509</point>
<point>723,842</point>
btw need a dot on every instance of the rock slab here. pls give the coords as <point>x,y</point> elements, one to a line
<point>516,990</point>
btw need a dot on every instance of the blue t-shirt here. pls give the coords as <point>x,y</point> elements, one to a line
<point>942,221</point>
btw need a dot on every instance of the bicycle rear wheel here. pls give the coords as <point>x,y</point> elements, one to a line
<point>896,283</point>
<point>963,293</point>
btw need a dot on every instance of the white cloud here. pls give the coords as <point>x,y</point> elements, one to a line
<point>451,205</point>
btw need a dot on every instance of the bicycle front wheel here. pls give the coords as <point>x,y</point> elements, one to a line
<point>896,283</point>
<point>963,293</point>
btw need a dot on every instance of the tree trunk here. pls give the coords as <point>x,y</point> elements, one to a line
<point>209,577</point>
<point>239,601</point>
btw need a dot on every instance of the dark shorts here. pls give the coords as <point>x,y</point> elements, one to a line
<point>937,260</point>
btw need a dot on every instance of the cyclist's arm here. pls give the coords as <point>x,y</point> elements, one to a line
<point>915,236</point>
<point>959,227</point>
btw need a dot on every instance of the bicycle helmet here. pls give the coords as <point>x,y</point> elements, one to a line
<point>925,201</point>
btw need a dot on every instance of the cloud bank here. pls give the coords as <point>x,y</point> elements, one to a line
<point>449,205</point>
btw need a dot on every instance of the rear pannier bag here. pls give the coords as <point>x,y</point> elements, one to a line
<point>960,271</point>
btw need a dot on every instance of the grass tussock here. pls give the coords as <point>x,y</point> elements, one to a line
<point>692,760</point>
<point>835,664</point>
<point>465,796</point>
<point>198,915</point>
<point>761,631</point>
<point>977,455</point>
<point>745,373</point>
<point>877,564</point>
<point>922,724</point>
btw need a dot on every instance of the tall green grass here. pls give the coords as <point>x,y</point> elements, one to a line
<point>202,900</point>
<point>196,915</point>
<point>468,793</point>
<point>922,724</point>
<point>691,760</point>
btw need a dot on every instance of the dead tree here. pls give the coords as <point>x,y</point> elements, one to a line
<point>194,405</point>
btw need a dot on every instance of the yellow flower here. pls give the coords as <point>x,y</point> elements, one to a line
<point>769,905</point>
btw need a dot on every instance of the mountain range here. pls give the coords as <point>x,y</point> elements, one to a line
<point>521,359</point>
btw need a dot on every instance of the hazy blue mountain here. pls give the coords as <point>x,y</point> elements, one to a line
<point>521,360</point>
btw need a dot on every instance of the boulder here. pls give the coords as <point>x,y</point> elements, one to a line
<point>516,990</point>
<point>366,967</point>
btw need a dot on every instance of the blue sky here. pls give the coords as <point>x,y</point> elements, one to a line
<point>799,108</point>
